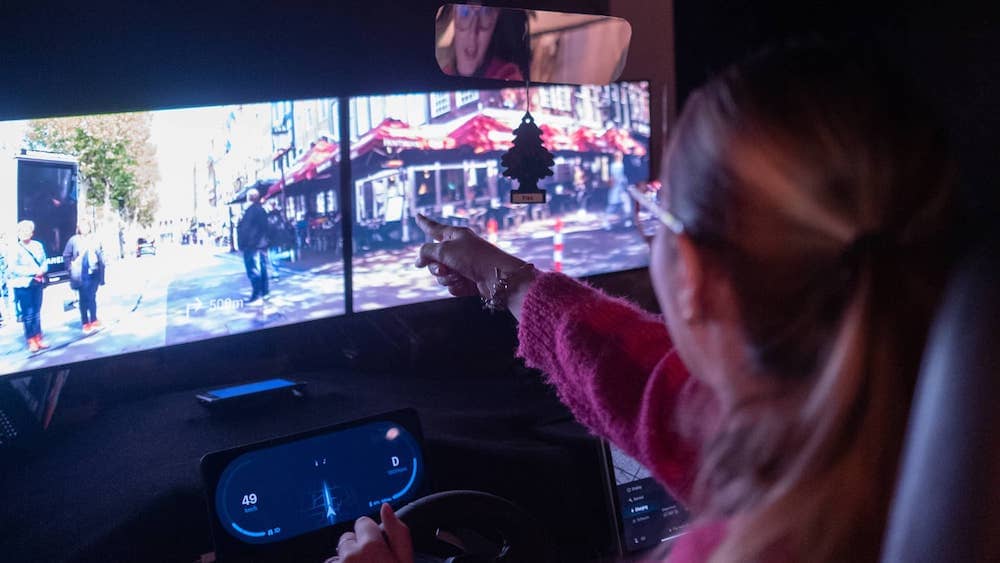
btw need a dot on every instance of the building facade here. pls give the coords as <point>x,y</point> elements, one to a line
<point>459,183</point>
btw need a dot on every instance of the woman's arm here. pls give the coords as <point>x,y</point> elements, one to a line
<point>615,367</point>
<point>69,251</point>
<point>611,363</point>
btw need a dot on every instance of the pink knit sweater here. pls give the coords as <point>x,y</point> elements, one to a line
<point>616,368</point>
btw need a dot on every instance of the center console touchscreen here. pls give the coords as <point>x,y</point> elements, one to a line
<point>276,499</point>
<point>648,516</point>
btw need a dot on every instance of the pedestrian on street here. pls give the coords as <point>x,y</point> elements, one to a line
<point>84,256</point>
<point>619,203</point>
<point>580,189</point>
<point>121,243</point>
<point>27,266</point>
<point>4,292</point>
<point>275,232</point>
<point>301,232</point>
<point>252,238</point>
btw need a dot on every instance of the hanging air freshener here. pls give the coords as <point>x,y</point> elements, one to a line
<point>528,161</point>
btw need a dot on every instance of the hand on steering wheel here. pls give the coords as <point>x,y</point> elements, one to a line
<point>469,525</point>
<point>371,543</point>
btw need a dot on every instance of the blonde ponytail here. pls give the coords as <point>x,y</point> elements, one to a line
<point>833,495</point>
<point>824,196</point>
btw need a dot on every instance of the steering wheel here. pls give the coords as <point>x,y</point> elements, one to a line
<point>474,527</point>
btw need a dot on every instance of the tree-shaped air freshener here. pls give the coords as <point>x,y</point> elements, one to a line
<point>528,161</point>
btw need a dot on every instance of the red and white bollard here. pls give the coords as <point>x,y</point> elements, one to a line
<point>557,246</point>
<point>491,231</point>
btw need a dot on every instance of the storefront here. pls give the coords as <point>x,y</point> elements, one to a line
<point>462,190</point>
<point>456,177</point>
<point>380,197</point>
<point>310,188</point>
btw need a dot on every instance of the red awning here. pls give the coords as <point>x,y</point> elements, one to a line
<point>392,135</point>
<point>274,189</point>
<point>482,133</point>
<point>321,155</point>
<point>586,139</point>
<point>621,140</point>
<point>556,139</point>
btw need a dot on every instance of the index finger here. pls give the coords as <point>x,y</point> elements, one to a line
<point>431,227</point>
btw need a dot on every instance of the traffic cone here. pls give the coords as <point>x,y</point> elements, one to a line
<point>491,231</point>
<point>557,246</point>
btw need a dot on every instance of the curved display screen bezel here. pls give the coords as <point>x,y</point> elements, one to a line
<point>311,543</point>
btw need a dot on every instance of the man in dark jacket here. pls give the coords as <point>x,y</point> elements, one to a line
<point>253,240</point>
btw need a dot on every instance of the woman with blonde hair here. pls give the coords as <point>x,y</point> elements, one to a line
<point>28,265</point>
<point>805,240</point>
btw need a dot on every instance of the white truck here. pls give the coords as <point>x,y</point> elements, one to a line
<point>41,187</point>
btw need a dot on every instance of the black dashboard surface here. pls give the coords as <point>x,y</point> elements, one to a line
<point>124,485</point>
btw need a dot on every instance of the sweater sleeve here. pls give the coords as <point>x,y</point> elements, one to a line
<point>615,367</point>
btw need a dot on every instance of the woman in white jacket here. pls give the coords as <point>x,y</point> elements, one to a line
<point>27,266</point>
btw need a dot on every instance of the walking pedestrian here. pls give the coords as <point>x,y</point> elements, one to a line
<point>302,232</point>
<point>275,230</point>
<point>253,241</point>
<point>85,256</point>
<point>27,266</point>
<point>580,190</point>
<point>4,292</point>
<point>619,203</point>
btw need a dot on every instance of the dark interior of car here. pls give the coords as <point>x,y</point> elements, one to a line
<point>110,470</point>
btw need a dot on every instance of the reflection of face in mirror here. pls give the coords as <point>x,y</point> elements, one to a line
<point>512,44</point>
<point>474,26</point>
<point>484,42</point>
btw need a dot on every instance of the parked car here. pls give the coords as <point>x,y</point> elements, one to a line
<point>145,247</point>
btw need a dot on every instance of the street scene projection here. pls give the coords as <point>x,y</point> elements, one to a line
<point>439,154</point>
<point>162,194</point>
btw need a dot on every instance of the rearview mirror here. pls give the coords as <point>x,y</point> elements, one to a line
<point>514,45</point>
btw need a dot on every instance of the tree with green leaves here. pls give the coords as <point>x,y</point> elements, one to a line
<point>117,159</point>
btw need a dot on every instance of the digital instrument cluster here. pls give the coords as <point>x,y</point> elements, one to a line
<point>283,489</point>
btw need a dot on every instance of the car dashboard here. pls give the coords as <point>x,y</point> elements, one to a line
<point>125,485</point>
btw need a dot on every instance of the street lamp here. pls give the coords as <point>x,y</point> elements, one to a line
<point>280,157</point>
<point>287,127</point>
